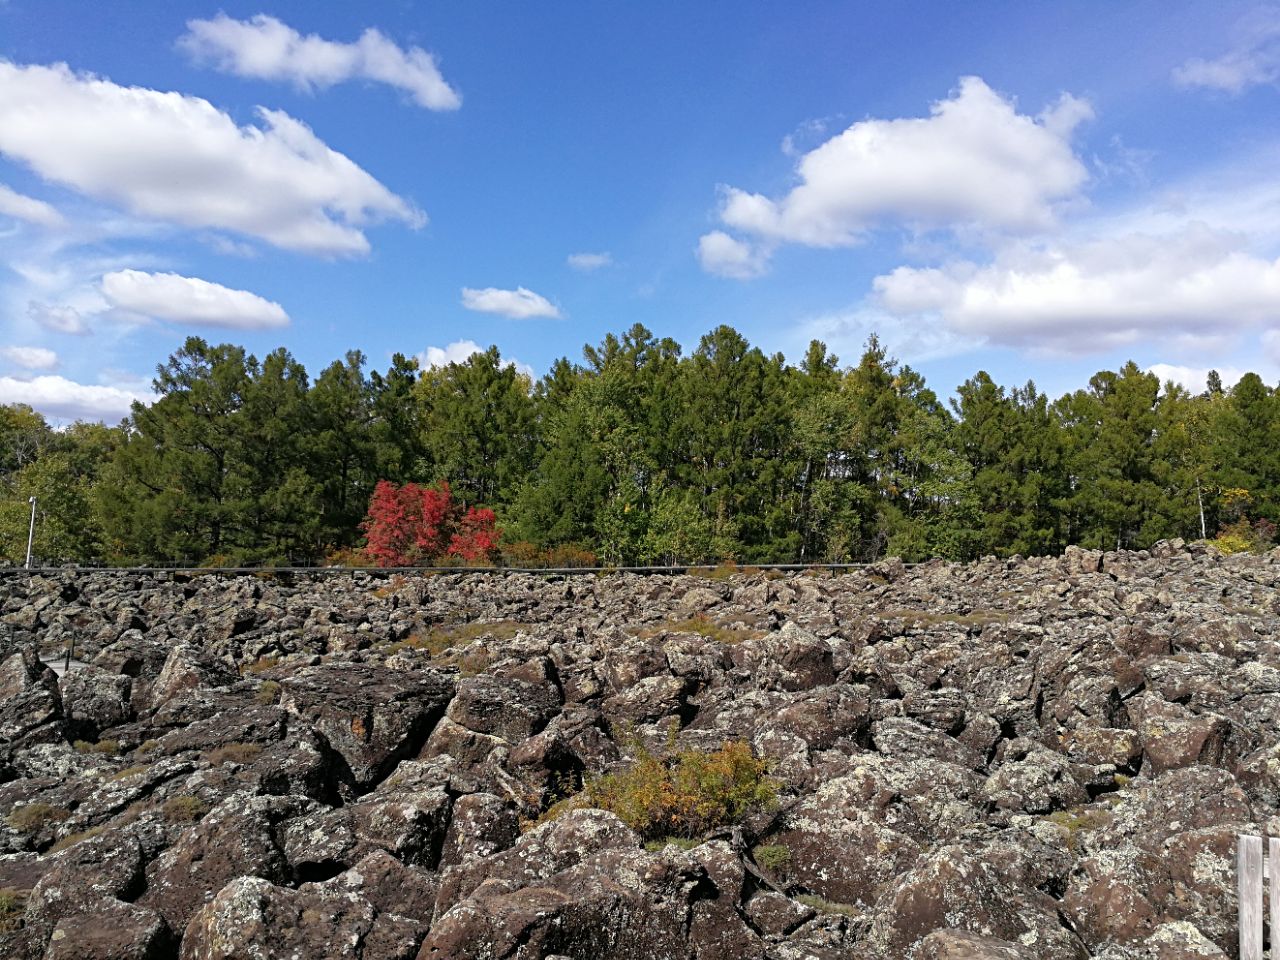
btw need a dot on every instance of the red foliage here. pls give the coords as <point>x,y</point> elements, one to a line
<point>412,525</point>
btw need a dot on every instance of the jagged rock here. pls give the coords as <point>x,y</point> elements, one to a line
<point>93,700</point>
<point>373,717</point>
<point>121,931</point>
<point>252,917</point>
<point>952,888</point>
<point>963,945</point>
<point>188,668</point>
<point>30,703</point>
<point>1007,759</point>
<point>237,838</point>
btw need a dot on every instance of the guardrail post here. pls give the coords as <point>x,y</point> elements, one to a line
<point>1249,875</point>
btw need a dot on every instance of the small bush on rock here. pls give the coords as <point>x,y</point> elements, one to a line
<point>12,904</point>
<point>184,809</point>
<point>233,753</point>
<point>102,746</point>
<point>682,795</point>
<point>268,692</point>
<point>33,816</point>
<point>773,856</point>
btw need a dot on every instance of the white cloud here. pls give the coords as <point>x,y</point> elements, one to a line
<point>518,304</point>
<point>1194,379</point>
<point>727,256</point>
<point>59,319</point>
<point>586,262</point>
<point>1094,295</point>
<point>177,158</point>
<point>845,332</point>
<point>190,300</point>
<point>1253,60</point>
<point>266,49</point>
<point>65,399</point>
<point>459,351</point>
<point>30,358</point>
<point>975,162</point>
<point>22,207</point>
<point>1271,345</point>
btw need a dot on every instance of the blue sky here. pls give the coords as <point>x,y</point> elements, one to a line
<point>1041,190</point>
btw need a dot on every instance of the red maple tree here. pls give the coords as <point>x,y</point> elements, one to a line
<point>414,525</point>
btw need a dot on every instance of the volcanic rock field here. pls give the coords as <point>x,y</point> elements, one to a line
<point>1011,759</point>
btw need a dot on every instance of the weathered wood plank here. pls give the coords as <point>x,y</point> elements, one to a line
<point>1249,886</point>
<point>1273,859</point>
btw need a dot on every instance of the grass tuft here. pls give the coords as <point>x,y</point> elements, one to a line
<point>102,746</point>
<point>184,809</point>
<point>233,753</point>
<point>33,816</point>
<point>12,904</point>
<point>682,795</point>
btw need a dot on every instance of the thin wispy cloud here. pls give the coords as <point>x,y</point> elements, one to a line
<point>29,209</point>
<point>265,48</point>
<point>1253,59</point>
<point>589,262</point>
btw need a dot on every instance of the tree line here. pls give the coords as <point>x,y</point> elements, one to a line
<point>641,454</point>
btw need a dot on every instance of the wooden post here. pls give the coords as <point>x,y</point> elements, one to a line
<point>1249,886</point>
<point>1273,887</point>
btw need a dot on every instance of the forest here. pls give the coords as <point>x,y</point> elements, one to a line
<point>640,454</point>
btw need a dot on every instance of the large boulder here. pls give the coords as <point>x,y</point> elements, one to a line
<point>371,716</point>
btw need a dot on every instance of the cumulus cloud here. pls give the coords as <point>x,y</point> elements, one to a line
<point>65,399</point>
<point>459,351</point>
<point>59,319</point>
<point>727,256</point>
<point>190,300</point>
<point>30,358</point>
<point>1093,295</point>
<point>176,158</point>
<point>518,304</point>
<point>587,262</point>
<point>1253,60</point>
<point>21,207</point>
<point>974,163</point>
<point>1194,379</point>
<point>267,49</point>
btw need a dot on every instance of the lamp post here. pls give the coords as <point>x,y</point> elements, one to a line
<point>31,531</point>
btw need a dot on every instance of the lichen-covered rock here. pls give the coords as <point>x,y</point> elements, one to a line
<point>93,700</point>
<point>120,931</point>
<point>371,716</point>
<point>237,838</point>
<point>251,917</point>
<point>1040,757</point>
<point>30,703</point>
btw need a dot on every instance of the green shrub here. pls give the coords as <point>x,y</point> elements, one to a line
<point>682,795</point>
<point>773,856</point>
<point>268,692</point>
